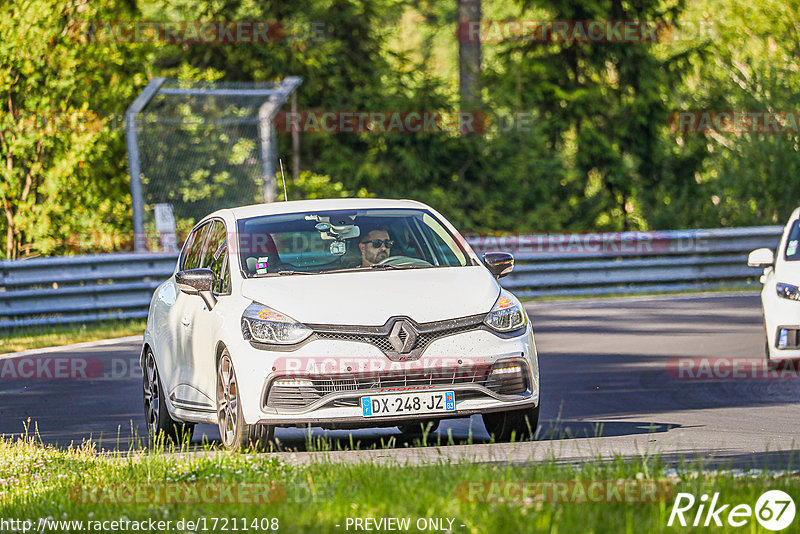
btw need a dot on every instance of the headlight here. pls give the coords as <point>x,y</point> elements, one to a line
<point>507,314</point>
<point>787,291</point>
<point>261,323</point>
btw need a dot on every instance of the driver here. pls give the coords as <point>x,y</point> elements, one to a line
<point>375,246</point>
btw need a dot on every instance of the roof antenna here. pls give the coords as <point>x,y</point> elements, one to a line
<point>283,176</point>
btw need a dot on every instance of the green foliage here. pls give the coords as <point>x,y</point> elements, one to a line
<point>61,173</point>
<point>747,178</point>
<point>309,186</point>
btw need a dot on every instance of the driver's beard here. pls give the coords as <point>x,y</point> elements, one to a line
<point>379,256</point>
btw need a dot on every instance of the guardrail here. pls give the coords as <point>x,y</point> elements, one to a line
<point>632,262</point>
<point>81,289</point>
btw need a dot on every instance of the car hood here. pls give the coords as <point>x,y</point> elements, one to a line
<point>370,298</point>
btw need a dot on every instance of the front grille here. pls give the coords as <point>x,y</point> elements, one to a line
<point>427,334</point>
<point>292,396</point>
<point>427,338</point>
<point>382,342</point>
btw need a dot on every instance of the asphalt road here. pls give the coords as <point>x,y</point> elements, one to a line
<point>610,386</point>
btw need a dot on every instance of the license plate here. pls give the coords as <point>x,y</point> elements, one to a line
<point>408,403</point>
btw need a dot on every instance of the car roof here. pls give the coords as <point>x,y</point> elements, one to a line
<point>300,206</point>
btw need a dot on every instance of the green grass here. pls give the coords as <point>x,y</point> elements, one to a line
<point>39,482</point>
<point>57,335</point>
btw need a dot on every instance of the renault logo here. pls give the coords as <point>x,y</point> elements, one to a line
<point>403,337</point>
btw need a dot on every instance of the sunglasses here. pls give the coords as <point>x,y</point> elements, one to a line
<point>376,243</point>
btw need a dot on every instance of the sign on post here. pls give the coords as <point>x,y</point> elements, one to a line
<point>165,226</point>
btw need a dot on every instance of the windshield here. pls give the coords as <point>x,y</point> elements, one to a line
<point>329,241</point>
<point>792,252</point>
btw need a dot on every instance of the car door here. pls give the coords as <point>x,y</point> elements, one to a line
<point>206,323</point>
<point>180,316</point>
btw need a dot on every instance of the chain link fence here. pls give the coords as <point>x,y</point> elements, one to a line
<point>198,147</point>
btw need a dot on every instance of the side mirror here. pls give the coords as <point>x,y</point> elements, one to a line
<point>198,282</point>
<point>761,257</point>
<point>498,263</point>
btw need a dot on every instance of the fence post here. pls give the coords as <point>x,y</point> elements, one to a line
<point>268,135</point>
<point>134,166</point>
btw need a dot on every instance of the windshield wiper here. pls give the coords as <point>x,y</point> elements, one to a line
<point>286,273</point>
<point>282,273</point>
<point>376,266</point>
<point>392,266</point>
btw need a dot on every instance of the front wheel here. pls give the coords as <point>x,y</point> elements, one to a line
<point>518,424</point>
<point>159,422</point>
<point>235,433</point>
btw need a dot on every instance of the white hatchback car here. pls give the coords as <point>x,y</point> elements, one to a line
<point>337,314</point>
<point>781,292</point>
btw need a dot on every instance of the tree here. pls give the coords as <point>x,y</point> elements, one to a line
<point>60,142</point>
<point>602,105</point>
<point>747,177</point>
<point>469,55</point>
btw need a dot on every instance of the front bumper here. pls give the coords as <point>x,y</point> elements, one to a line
<point>257,370</point>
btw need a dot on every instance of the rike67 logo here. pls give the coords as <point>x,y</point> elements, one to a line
<point>774,510</point>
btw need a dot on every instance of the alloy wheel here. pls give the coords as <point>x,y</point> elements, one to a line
<point>227,400</point>
<point>151,393</point>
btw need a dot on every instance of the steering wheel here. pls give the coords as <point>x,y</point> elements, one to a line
<point>404,260</point>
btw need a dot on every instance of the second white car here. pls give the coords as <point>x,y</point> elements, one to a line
<point>780,296</point>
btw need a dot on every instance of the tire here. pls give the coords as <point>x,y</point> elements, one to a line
<point>766,339</point>
<point>518,424</point>
<point>420,427</point>
<point>160,425</point>
<point>771,364</point>
<point>234,432</point>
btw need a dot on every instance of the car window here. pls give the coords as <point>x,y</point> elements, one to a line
<point>215,257</point>
<point>334,240</point>
<point>792,252</point>
<point>222,272</point>
<point>216,239</point>
<point>190,258</point>
<point>442,242</point>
